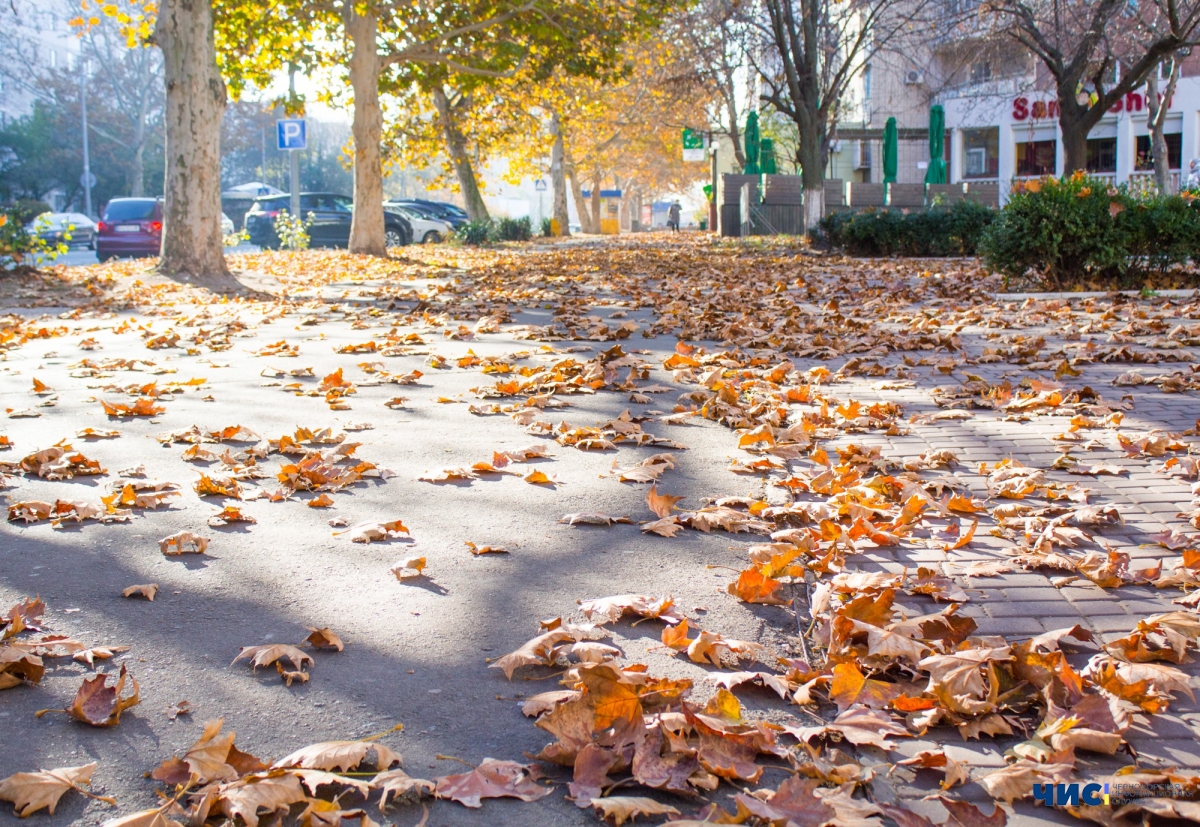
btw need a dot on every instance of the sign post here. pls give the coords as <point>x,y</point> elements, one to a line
<point>291,135</point>
<point>693,145</point>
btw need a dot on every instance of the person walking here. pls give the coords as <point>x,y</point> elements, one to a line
<point>673,217</point>
<point>1192,182</point>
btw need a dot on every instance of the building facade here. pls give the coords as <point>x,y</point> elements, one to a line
<point>1001,113</point>
<point>35,37</point>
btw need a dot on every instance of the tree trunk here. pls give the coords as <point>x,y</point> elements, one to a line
<point>1157,120</point>
<point>192,246</point>
<point>595,202</point>
<point>558,176</point>
<point>580,205</point>
<point>812,175</point>
<point>1074,138</point>
<point>456,145</point>
<point>367,225</point>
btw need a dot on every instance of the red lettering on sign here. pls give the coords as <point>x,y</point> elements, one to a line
<point>1052,109</point>
<point>1134,102</point>
<point>1118,106</point>
<point>1039,109</point>
<point>1020,109</point>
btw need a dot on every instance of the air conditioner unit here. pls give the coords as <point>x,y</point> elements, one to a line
<point>914,77</point>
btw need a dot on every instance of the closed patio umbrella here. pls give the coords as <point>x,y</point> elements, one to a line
<point>767,162</point>
<point>751,141</point>
<point>891,149</point>
<point>936,174</point>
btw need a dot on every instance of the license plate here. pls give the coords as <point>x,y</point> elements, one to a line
<point>128,228</point>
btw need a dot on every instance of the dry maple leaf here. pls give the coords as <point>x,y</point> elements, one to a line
<point>324,639</point>
<point>268,653</point>
<point>273,791</point>
<point>955,772</point>
<point>33,791</point>
<point>147,818</point>
<point>610,609</point>
<point>1017,779</point>
<point>408,568</point>
<point>146,590</point>
<point>183,542</point>
<point>401,786</point>
<point>320,501</point>
<point>204,762</point>
<point>491,779</point>
<point>621,808</point>
<point>98,704</point>
<point>542,650</point>
<point>661,504</point>
<point>371,530</point>
<point>666,527</point>
<point>342,756</point>
<point>850,687</point>
<point>477,549</point>
<point>591,518</point>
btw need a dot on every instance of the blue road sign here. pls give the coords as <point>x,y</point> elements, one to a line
<point>291,134</point>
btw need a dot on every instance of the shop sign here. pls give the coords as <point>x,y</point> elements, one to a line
<point>1023,109</point>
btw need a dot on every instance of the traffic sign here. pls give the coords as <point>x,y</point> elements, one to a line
<point>693,145</point>
<point>87,180</point>
<point>290,133</point>
<point>540,185</point>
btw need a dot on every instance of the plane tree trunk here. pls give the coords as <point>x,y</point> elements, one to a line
<point>192,245</point>
<point>367,225</point>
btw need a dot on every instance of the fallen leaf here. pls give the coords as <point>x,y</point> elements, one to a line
<point>147,591</point>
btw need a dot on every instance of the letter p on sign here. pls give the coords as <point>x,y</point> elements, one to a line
<point>290,134</point>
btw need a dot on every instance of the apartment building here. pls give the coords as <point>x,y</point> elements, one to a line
<point>35,36</point>
<point>1001,113</point>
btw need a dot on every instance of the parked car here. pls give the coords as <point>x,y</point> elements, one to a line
<point>130,227</point>
<point>226,225</point>
<point>331,215</point>
<point>53,227</point>
<point>452,215</point>
<point>426,228</point>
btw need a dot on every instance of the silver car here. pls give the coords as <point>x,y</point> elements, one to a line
<point>55,227</point>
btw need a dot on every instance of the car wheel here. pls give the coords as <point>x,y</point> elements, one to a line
<point>431,237</point>
<point>393,238</point>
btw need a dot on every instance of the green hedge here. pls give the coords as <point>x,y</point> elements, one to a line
<point>1079,230</point>
<point>941,231</point>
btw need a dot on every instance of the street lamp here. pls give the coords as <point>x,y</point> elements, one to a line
<point>87,179</point>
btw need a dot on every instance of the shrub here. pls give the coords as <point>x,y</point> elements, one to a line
<point>1064,230</point>
<point>940,231</point>
<point>1078,230</point>
<point>514,229</point>
<point>17,244</point>
<point>292,232</point>
<point>476,233</point>
<point>547,228</point>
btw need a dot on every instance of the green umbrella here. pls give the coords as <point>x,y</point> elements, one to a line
<point>751,141</point>
<point>936,173</point>
<point>891,149</point>
<point>768,164</point>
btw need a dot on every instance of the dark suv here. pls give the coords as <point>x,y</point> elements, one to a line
<point>130,227</point>
<point>330,214</point>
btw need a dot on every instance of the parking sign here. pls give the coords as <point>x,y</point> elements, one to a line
<point>290,133</point>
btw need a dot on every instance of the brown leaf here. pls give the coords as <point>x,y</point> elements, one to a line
<point>204,761</point>
<point>147,590</point>
<point>268,653</point>
<point>618,809</point>
<point>661,504</point>
<point>399,785</point>
<point>33,791</point>
<point>341,756</point>
<point>98,704</point>
<point>324,639</point>
<point>491,779</point>
<point>183,542</point>
<point>851,687</point>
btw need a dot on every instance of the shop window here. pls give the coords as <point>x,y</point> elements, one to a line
<point>1145,156</point>
<point>1036,158</point>
<point>1102,155</point>
<point>981,152</point>
<point>981,72</point>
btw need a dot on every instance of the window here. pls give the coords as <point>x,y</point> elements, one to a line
<point>981,152</point>
<point>981,72</point>
<point>867,82</point>
<point>1145,157</point>
<point>53,58</point>
<point>1036,157</point>
<point>343,203</point>
<point>129,209</point>
<point>1102,155</point>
